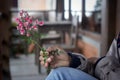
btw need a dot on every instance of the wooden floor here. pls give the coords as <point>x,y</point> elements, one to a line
<point>24,68</point>
<point>87,49</point>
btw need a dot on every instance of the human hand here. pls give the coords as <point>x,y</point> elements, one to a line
<point>55,60</point>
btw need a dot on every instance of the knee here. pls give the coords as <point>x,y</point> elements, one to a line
<point>59,70</point>
<point>57,74</point>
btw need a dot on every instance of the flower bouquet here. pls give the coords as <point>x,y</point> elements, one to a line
<point>28,28</point>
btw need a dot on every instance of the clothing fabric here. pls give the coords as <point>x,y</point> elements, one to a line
<point>67,73</point>
<point>107,68</point>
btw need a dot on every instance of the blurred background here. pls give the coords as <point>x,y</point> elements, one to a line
<point>83,26</point>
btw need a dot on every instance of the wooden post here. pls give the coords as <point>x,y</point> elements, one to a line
<point>0,64</point>
<point>83,8</point>
<point>108,24</point>
<point>4,39</point>
<point>118,17</point>
<point>70,15</point>
<point>60,9</point>
<point>84,18</point>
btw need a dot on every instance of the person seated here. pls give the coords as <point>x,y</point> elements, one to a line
<point>73,66</point>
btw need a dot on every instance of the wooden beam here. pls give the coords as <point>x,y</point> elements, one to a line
<point>60,8</point>
<point>84,18</point>
<point>108,24</point>
<point>70,15</point>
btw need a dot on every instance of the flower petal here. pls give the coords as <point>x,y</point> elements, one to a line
<point>41,23</point>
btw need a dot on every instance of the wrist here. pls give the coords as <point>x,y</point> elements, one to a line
<point>69,60</point>
<point>74,60</point>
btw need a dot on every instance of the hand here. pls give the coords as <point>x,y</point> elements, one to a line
<point>57,60</point>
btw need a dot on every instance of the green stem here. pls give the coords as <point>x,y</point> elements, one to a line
<point>36,43</point>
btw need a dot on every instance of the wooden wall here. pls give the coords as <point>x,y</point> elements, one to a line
<point>118,17</point>
<point>4,39</point>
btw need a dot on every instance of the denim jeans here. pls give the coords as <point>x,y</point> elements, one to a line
<point>67,73</point>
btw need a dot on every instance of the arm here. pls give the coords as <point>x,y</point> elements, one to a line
<point>80,62</point>
<point>73,60</point>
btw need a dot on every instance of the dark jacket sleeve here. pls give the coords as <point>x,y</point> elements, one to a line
<point>80,62</point>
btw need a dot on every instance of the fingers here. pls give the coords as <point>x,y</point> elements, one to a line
<point>46,65</point>
<point>53,60</point>
<point>41,58</point>
<point>48,61</point>
<point>42,63</point>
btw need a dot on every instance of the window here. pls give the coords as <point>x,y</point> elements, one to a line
<point>93,15</point>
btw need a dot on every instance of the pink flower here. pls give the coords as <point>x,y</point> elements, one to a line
<point>34,27</point>
<point>19,27</point>
<point>22,32</point>
<point>21,13</point>
<point>30,21</point>
<point>27,34</point>
<point>41,23</point>
<point>25,12</point>
<point>17,20</point>
<point>26,24</point>
<point>20,24</point>
<point>37,22</point>
<point>26,18</point>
